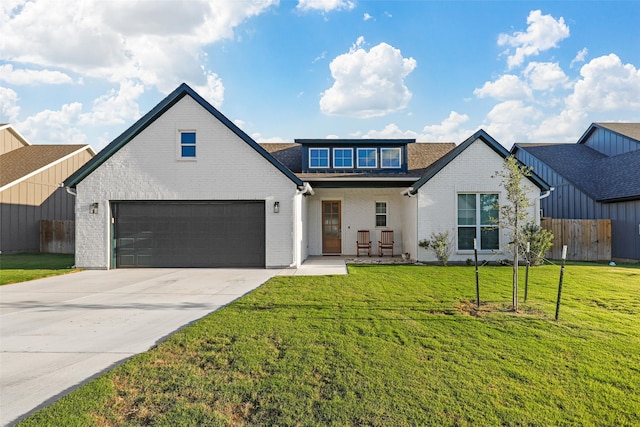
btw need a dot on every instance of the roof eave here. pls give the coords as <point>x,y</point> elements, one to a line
<point>153,115</point>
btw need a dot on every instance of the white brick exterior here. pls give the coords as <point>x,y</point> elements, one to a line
<point>226,168</point>
<point>471,172</point>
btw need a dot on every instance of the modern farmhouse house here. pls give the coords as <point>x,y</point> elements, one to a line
<point>185,187</point>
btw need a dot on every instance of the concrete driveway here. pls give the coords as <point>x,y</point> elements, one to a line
<point>59,332</point>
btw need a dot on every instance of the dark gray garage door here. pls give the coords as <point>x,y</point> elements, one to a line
<point>189,234</point>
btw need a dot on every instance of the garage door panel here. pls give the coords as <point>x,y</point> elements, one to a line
<point>190,234</point>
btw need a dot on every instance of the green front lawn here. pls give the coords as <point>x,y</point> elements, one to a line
<point>22,267</point>
<point>389,346</point>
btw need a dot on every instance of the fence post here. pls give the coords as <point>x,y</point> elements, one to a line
<point>475,254</point>
<point>526,274</point>
<point>564,257</point>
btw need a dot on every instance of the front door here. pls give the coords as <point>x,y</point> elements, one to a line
<point>331,228</point>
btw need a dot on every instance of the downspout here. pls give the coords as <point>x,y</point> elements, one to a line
<point>546,193</point>
<point>305,190</point>
<point>544,196</point>
<point>409,192</point>
<point>69,190</point>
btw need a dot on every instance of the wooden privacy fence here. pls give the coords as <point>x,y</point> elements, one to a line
<point>57,237</point>
<point>586,239</point>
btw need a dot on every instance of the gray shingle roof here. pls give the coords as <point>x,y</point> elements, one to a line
<point>601,177</point>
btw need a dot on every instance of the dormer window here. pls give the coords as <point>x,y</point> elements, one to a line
<point>318,157</point>
<point>390,158</point>
<point>342,158</point>
<point>367,158</point>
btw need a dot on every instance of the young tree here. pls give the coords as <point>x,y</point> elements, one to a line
<point>515,212</point>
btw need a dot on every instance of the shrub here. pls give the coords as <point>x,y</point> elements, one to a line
<point>540,241</point>
<point>441,244</point>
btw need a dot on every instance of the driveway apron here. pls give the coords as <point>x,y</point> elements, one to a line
<point>57,333</point>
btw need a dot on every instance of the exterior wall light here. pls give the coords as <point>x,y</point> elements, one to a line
<point>276,207</point>
<point>94,208</point>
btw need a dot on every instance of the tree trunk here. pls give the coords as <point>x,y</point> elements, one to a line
<point>515,279</point>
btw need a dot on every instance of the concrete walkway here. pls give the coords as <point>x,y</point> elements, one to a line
<point>58,333</point>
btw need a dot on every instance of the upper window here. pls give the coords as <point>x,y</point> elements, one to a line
<point>367,158</point>
<point>390,158</point>
<point>318,157</point>
<point>342,158</point>
<point>381,214</point>
<point>476,216</point>
<point>188,144</point>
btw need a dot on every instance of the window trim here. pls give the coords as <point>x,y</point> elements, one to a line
<point>375,150</point>
<point>181,145</point>
<point>326,150</point>
<point>477,226</point>
<point>334,157</point>
<point>386,214</point>
<point>389,149</point>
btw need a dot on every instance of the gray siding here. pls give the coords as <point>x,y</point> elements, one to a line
<point>611,143</point>
<point>568,202</point>
<point>20,225</point>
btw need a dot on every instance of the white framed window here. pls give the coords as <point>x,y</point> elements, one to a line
<point>381,214</point>
<point>187,148</point>
<point>318,157</point>
<point>367,158</point>
<point>476,212</point>
<point>390,158</point>
<point>343,158</point>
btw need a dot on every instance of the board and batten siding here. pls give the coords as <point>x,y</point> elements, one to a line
<point>38,197</point>
<point>569,202</point>
<point>611,143</point>
<point>148,168</point>
<point>472,171</point>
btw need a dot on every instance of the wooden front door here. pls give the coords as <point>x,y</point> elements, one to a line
<point>331,228</point>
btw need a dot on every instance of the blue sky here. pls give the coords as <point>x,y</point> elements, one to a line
<point>82,71</point>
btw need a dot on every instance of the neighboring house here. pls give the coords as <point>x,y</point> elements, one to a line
<point>597,178</point>
<point>185,187</point>
<point>30,191</point>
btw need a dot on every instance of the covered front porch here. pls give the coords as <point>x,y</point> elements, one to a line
<point>335,215</point>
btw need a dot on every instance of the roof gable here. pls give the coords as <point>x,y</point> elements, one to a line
<point>164,105</point>
<point>601,177</point>
<point>19,164</point>
<point>484,137</point>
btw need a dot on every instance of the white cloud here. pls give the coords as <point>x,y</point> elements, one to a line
<point>116,107</point>
<point>580,57</point>
<point>606,85</point>
<point>9,109</point>
<point>158,43</point>
<point>506,87</point>
<point>32,77</point>
<point>544,32</point>
<point>212,91</point>
<point>368,83</point>
<point>545,75</point>
<point>325,5</point>
<point>511,121</point>
<point>449,130</point>
<point>367,17</point>
<point>50,126</point>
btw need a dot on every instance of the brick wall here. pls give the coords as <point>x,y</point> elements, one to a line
<point>148,168</point>
<point>472,172</point>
